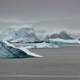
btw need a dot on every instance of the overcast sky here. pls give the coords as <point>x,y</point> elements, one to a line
<point>51,15</point>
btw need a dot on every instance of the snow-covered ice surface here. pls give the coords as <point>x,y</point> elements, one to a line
<point>26,37</point>
<point>8,50</point>
<point>65,41</point>
<point>35,45</point>
<point>52,43</point>
<point>42,45</point>
<point>23,35</point>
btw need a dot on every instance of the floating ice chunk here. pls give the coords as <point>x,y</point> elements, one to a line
<point>29,52</point>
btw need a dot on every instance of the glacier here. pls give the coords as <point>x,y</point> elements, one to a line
<point>8,50</point>
<point>26,37</point>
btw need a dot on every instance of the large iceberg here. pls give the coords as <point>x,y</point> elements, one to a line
<point>24,35</point>
<point>8,50</point>
<point>63,43</point>
<point>62,35</point>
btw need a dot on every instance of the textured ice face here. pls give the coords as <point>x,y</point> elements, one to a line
<point>24,35</point>
<point>7,51</point>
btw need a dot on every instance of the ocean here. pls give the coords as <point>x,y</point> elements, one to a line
<point>57,64</point>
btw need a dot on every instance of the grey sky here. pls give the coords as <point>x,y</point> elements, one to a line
<point>52,15</point>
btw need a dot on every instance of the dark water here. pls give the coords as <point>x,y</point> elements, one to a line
<point>62,61</point>
<point>66,51</point>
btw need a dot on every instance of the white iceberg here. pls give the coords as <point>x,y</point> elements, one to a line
<point>65,41</point>
<point>8,50</point>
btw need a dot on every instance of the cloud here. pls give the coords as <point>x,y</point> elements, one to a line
<point>10,20</point>
<point>51,25</point>
<point>16,27</point>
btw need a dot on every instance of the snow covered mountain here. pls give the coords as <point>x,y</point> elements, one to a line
<point>8,50</point>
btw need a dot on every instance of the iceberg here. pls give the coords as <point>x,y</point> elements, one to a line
<point>62,35</point>
<point>63,43</point>
<point>8,50</point>
<point>24,35</point>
